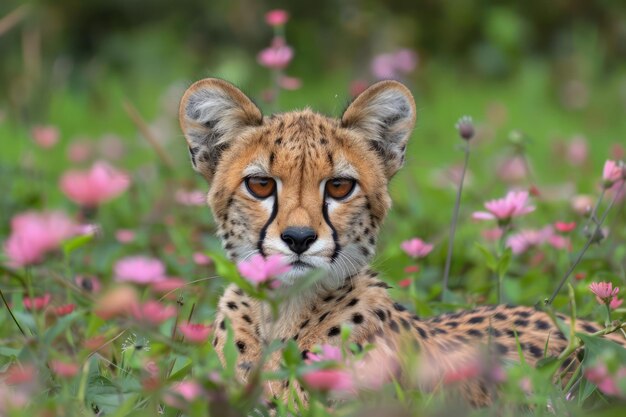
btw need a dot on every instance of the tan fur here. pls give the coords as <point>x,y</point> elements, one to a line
<point>301,150</point>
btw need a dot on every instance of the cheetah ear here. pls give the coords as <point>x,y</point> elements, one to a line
<point>212,114</point>
<point>385,115</point>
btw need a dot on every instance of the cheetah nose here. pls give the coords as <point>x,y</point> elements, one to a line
<point>299,239</point>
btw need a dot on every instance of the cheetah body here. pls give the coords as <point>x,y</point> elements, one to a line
<point>297,155</point>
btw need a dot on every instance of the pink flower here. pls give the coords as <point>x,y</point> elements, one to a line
<point>327,353</point>
<point>140,270</point>
<point>79,151</point>
<point>64,310</point>
<point>564,227</point>
<point>88,284</point>
<point>357,87</point>
<point>615,303</point>
<point>512,169</point>
<point>94,187</point>
<point>329,380</point>
<point>599,375</point>
<point>612,173</point>
<point>34,234</point>
<point>124,235</point>
<point>187,390</point>
<point>259,269</point>
<point>514,204</point>
<point>604,291</point>
<point>190,198</point>
<point>37,303</point>
<point>168,285</point>
<point>277,56</point>
<point>200,258</point>
<point>411,269</point>
<point>464,372</point>
<point>416,248</point>
<point>45,136</point>
<point>118,301</point>
<point>64,369</point>
<point>195,333</point>
<point>276,17</point>
<point>405,283</point>
<point>577,151</point>
<point>525,239</point>
<point>492,235</point>
<point>152,312</point>
<point>560,242</point>
<point>582,204</point>
<point>392,65</point>
<point>289,83</point>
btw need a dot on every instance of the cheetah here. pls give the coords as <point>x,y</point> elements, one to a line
<point>314,190</point>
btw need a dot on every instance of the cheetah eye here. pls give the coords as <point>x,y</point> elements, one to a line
<point>339,188</point>
<point>260,187</point>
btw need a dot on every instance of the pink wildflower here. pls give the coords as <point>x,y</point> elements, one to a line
<point>582,204</point>
<point>327,353</point>
<point>190,198</point>
<point>64,369</point>
<point>564,227</point>
<point>416,248</point>
<point>525,239</point>
<point>64,310</point>
<point>612,173</point>
<point>140,270</point>
<point>37,303</point>
<point>560,242</point>
<point>195,332</point>
<point>357,87</point>
<point>34,234</point>
<point>276,17</point>
<point>615,303</point>
<point>88,284</point>
<point>289,83</point>
<point>464,372</point>
<point>492,235</point>
<point>124,235</point>
<point>604,291</point>
<point>45,136</point>
<point>512,169</point>
<point>411,269</point>
<point>577,151</point>
<point>599,375</point>
<point>514,204</point>
<point>168,285</point>
<point>153,312</point>
<point>392,65</point>
<point>187,390</point>
<point>79,151</point>
<point>405,283</point>
<point>200,258</point>
<point>329,380</point>
<point>259,269</point>
<point>94,187</point>
<point>277,56</point>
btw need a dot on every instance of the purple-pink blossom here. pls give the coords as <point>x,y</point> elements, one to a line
<point>416,248</point>
<point>94,187</point>
<point>605,292</point>
<point>195,332</point>
<point>613,172</point>
<point>392,65</point>
<point>329,380</point>
<point>514,204</point>
<point>259,269</point>
<point>140,270</point>
<point>34,234</point>
<point>276,17</point>
<point>277,56</point>
<point>45,136</point>
<point>525,239</point>
<point>152,312</point>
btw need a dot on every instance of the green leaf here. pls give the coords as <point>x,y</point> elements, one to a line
<point>504,262</point>
<point>291,354</point>
<point>70,245</point>
<point>490,259</point>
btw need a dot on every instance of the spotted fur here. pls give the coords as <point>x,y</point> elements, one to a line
<point>229,141</point>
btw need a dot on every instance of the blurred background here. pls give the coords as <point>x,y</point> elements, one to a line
<point>544,81</point>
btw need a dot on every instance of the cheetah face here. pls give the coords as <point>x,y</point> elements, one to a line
<point>307,187</point>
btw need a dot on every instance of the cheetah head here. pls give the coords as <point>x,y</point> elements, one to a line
<point>298,184</point>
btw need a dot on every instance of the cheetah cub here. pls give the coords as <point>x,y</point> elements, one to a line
<point>314,190</point>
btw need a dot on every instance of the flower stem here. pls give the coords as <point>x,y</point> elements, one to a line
<point>590,240</point>
<point>453,225</point>
<point>11,313</point>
